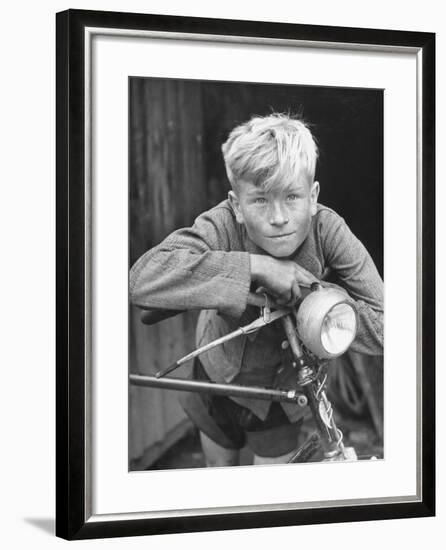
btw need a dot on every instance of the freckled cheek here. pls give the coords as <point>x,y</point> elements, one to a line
<point>257,221</point>
<point>300,222</point>
<point>259,228</point>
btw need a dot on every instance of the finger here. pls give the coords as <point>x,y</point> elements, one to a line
<point>293,296</point>
<point>275,299</point>
<point>305,277</point>
<point>284,299</point>
<point>290,298</point>
<point>295,292</point>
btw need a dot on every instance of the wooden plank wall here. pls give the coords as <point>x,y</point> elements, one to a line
<point>167,190</point>
<point>167,182</point>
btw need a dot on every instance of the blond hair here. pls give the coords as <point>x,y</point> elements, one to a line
<point>270,152</point>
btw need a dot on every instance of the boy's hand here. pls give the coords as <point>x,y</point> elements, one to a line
<point>280,278</point>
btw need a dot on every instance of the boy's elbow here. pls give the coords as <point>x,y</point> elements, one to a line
<point>133,291</point>
<point>135,282</point>
<point>133,295</point>
<point>374,340</point>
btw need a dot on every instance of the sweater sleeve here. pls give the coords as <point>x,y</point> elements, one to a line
<point>356,272</point>
<point>195,268</point>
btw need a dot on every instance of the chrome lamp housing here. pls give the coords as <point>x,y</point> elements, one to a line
<point>327,322</point>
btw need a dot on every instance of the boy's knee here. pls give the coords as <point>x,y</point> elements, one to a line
<point>216,455</point>
<point>282,459</point>
<point>216,461</point>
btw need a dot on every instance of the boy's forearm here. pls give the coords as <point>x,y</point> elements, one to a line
<point>350,262</point>
<point>258,266</point>
<point>178,279</point>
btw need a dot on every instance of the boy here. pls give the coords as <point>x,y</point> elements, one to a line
<point>270,233</point>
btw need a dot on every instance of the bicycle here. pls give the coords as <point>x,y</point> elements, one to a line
<point>321,326</point>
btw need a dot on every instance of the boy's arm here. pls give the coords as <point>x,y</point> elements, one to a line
<point>348,258</point>
<point>194,268</point>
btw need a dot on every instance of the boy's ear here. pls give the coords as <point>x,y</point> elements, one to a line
<point>235,203</point>
<point>314,194</point>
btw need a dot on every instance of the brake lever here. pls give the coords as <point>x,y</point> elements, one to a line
<point>266,318</point>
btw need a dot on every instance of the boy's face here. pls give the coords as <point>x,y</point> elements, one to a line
<point>278,221</point>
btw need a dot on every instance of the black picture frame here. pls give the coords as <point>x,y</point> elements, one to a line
<point>73,515</point>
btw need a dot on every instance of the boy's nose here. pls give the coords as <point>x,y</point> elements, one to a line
<point>278,214</point>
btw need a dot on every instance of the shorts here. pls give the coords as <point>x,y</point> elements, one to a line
<point>232,426</point>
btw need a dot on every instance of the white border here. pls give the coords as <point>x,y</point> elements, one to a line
<point>115,491</point>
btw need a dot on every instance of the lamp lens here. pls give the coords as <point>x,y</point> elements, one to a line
<point>338,328</point>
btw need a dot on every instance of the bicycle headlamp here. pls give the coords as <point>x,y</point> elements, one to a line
<point>326,322</point>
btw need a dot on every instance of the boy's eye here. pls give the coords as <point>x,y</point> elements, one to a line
<point>292,197</point>
<point>260,200</point>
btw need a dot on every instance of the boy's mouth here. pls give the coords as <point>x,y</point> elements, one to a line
<point>281,236</point>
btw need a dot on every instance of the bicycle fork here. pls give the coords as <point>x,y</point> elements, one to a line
<point>330,436</point>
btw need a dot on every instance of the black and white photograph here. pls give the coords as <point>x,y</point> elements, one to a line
<point>256,267</point>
